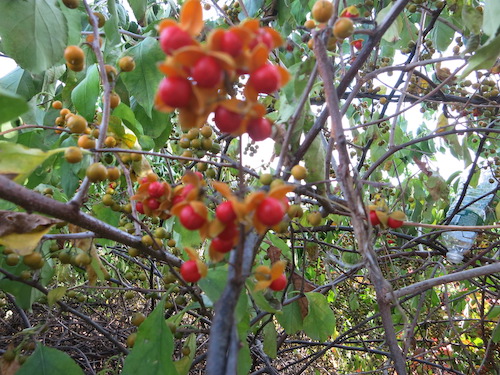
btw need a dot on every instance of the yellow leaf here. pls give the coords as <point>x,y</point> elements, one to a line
<point>56,294</point>
<point>497,211</point>
<point>442,124</point>
<point>398,215</point>
<point>23,244</point>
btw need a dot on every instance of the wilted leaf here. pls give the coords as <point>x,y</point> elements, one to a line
<point>22,232</point>
<point>438,188</point>
<point>9,368</point>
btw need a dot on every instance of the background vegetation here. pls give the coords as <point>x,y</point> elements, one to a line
<point>376,119</point>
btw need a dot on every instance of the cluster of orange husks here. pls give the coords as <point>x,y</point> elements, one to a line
<point>201,77</point>
<point>259,210</point>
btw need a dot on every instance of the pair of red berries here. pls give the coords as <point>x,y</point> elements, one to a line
<point>229,122</point>
<point>224,242</point>
<point>156,190</point>
<point>391,222</point>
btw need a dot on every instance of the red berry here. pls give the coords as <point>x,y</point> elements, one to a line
<point>183,194</point>
<point>393,223</point>
<point>227,121</point>
<point>349,14</point>
<point>231,43</point>
<point>270,211</point>
<point>279,283</point>
<point>225,212</point>
<point>200,176</point>
<point>222,246</point>
<point>374,218</point>
<point>206,72</point>
<point>173,38</point>
<point>262,37</point>
<point>358,44</point>
<point>229,232</point>
<point>189,271</point>
<point>266,79</point>
<point>259,129</point>
<point>139,206</point>
<point>190,219</point>
<point>156,189</point>
<point>153,203</point>
<point>175,92</point>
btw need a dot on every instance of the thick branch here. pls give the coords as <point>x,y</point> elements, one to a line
<point>457,276</point>
<point>224,319</point>
<point>32,201</point>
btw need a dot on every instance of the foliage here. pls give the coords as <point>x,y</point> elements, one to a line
<point>328,253</point>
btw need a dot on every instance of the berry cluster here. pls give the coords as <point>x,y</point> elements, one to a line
<point>200,77</point>
<point>379,214</point>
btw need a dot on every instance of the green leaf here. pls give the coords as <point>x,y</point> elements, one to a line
<point>158,126</point>
<point>393,32</point>
<point>484,58</point>
<point>472,18</point>
<point>319,323</point>
<point>253,6</point>
<point>291,318</point>
<point>280,244</point>
<point>18,161</point>
<point>71,180</point>
<point>19,81</point>
<point>153,347</point>
<point>143,81</point>
<point>73,20</point>
<point>183,365</point>
<point>111,26</point>
<point>24,294</point>
<point>49,361</point>
<point>56,294</point>
<point>186,237</point>
<point>85,94</point>
<point>244,359</point>
<point>270,339</point>
<point>146,142</point>
<point>491,21</point>
<point>33,32</point>
<point>261,301</point>
<point>124,112</point>
<point>139,9</point>
<point>11,106</point>
<point>495,335</point>
<point>214,283</point>
<point>442,36</point>
<point>314,160</point>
